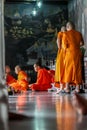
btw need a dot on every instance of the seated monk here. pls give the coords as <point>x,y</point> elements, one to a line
<point>21,84</point>
<point>43,81</point>
<point>8,76</point>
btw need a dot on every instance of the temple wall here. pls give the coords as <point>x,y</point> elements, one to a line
<point>77,12</point>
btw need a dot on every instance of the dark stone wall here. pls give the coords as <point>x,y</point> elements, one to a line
<point>77,12</point>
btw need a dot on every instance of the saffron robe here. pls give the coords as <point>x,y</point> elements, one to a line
<point>9,79</point>
<point>21,84</point>
<point>73,67</point>
<point>59,69</point>
<point>52,74</point>
<point>43,82</point>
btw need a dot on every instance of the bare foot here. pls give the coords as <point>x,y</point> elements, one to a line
<point>77,90</point>
<point>58,91</point>
<point>67,90</point>
<point>80,104</point>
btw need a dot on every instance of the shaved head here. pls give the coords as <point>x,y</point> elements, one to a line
<point>17,66</point>
<point>17,69</point>
<point>63,29</point>
<point>70,25</point>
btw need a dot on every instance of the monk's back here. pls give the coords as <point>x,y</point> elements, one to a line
<point>43,77</point>
<point>73,39</point>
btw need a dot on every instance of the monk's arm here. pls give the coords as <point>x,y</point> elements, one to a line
<point>58,43</point>
<point>82,41</point>
<point>39,77</point>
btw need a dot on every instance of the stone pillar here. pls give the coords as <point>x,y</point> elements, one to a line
<point>2,44</point>
<point>3,90</point>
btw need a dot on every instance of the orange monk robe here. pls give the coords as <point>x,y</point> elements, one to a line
<point>9,79</point>
<point>52,74</point>
<point>21,83</point>
<point>73,67</point>
<point>59,70</point>
<point>43,80</point>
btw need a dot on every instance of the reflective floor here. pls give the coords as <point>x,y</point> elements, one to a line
<point>46,111</point>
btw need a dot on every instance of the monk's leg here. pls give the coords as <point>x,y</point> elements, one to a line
<point>53,88</point>
<point>67,88</point>
<point>35,87</point>
<point>60,89</point>
<point>77,88</point>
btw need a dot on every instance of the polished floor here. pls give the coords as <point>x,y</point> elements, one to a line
<point>45,111</point>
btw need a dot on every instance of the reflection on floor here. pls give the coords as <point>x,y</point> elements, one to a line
<point>46,111</point>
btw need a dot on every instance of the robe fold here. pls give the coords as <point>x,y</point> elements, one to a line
<point>43,82</point>
<point>21,83</point>
<point>59,69</point>
<point>52,74</point>
<point>9,79</point>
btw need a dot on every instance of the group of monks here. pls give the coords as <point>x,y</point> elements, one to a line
<point>68,67</point>
<point>69,58</point>
<point>19,84</point>
<point>44,79</point>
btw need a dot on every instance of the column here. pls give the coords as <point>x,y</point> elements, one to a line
<point>3,90</point>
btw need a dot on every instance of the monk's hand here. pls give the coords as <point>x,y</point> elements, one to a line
<point>29,86</point>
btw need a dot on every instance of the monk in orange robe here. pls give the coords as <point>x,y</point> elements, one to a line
<point>72,40</point>
<point>21,84</point>
<point>8,76</point>
<point>43,81</point>
<point>60,60</point>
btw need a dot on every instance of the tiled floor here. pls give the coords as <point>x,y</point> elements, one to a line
<point>46,111</point>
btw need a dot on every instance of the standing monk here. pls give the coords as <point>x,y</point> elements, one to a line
<point>21,84</point>
<point>72,40</point>
<point>43,81</point>
<point>60,60</point>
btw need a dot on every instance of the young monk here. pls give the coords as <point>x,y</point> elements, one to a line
<point>8,76</point>
<point>60,60</point>
<point>44,79</point>
<point>72,40</point>
<point>21,84</point>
